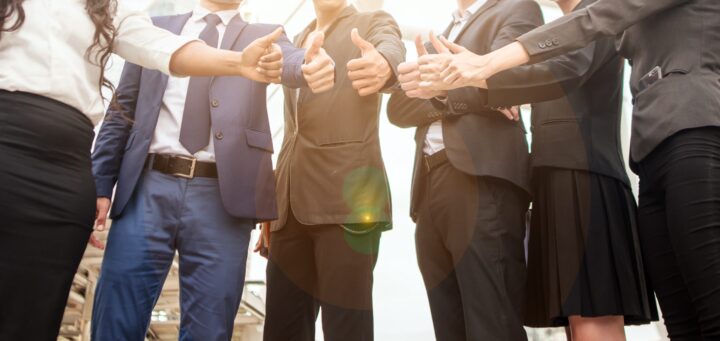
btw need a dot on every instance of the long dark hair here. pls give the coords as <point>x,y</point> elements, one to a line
<point>101,13</point>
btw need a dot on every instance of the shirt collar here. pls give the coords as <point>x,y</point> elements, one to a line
<point>459,17</point>
<point>200,12</point>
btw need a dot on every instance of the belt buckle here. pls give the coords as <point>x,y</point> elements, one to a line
<point>193,163</point>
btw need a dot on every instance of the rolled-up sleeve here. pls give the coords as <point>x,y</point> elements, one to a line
<point>140,42</point>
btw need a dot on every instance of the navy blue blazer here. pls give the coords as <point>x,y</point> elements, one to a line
<point>242,138</point>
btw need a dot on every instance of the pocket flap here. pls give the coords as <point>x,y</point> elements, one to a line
<point>259,139</point>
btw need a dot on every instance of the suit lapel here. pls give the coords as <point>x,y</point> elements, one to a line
<point>232,32</point>
<point>302,92</point>
<point>346,12</point>
<point>175,25</point>
<point>235,27</point>
<point>475,16</point>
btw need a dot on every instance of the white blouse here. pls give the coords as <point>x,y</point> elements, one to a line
<point>47,55</point>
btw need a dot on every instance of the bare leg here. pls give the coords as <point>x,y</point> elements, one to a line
<point>606,328</point>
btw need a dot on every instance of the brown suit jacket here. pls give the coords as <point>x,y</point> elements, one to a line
<point>330,169</point>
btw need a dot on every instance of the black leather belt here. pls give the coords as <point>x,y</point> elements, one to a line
<point>181,166</point>
<point>433,161</point>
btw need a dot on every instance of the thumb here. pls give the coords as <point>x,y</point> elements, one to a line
<point>271,38</point>
<point>361,43</point>
<point>420,46</point>
<point>318,40</point>
<point>454,48</point>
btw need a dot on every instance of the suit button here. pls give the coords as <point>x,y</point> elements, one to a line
<point>548,43</point>
<point>556,42</point>
<point>541,45</point>
<point>219,135</point>
<point>215,103</point>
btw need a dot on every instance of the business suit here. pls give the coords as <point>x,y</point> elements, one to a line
<point>674,145</point>
<point>584,244</point>
<point>206,218</point>
<point>333,195</point>
<point>470,211</point>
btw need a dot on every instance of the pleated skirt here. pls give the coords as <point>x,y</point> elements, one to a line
<point>47,208</point>
<point>584,254</point>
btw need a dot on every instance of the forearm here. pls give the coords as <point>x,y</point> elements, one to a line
<point>108,154</point>
<point>571,32</point>
<point>198,59</point>
<point>544,81</point>
<point>406,112</point>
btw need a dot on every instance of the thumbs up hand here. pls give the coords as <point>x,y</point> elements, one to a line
<point>262,60</point>
<point>409,76</point>
<point>319,67</point>
<point>371,72</point>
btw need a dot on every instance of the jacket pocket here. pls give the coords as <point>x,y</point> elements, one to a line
<point>259,139</point>
<point>554,121</point>
<point>338,142</point>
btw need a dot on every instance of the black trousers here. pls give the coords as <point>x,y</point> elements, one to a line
<point>320,267</point>
<point>680,231</point>
<point>469,237</point>
<point>47,208</point>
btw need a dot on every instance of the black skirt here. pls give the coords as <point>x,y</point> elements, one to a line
<point>47,208</point>
<point>584,254</point>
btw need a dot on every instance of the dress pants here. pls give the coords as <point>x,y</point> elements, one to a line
<point>47,209</point>
<point>321,266</point>
<point>166,214</point>
<point>470,248</point>
<point>680,231</point>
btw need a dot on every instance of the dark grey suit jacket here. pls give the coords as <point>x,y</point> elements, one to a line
<point>478,141</point>
<point>330,169</point>
<point>680,36</point>
<point>578,107</point>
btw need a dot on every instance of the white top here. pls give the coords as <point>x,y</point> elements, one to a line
<point>47,55</point>
<point>434,138</point>
<point>166,139</point>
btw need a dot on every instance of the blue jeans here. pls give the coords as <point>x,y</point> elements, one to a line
<point>168,214</point>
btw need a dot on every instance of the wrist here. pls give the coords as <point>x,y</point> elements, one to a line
<point>232,60</point>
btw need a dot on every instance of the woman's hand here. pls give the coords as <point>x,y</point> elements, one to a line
<point>464,68</point>
<point>262,60</point>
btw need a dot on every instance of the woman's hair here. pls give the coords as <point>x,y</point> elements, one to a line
<point>101,13</point>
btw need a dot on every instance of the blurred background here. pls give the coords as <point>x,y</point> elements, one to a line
<point>401,308</point>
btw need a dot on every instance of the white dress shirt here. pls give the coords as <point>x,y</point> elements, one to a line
<point>434,138</point>
<point>167,132</point>
<point>47,55</point>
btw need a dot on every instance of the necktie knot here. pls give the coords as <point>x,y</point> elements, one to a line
<point>212,19</point>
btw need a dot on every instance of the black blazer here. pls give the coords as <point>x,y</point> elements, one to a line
<point>680,36</point>
<point>578,107</point>
<point>478,140</point>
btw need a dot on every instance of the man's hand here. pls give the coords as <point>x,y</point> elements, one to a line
<point>409,76</point>
<point>371,72</point>
<point>262,60</point>
<point>319,68</point>
<point>101,213</point>
<point>512,113</point>
<point>263,244</point>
